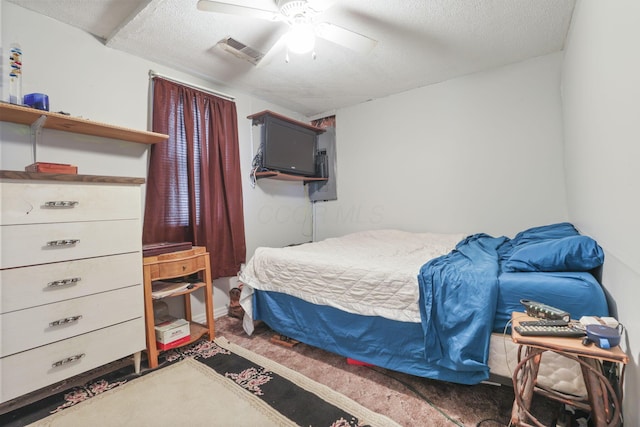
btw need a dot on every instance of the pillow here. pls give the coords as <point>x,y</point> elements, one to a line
<point>545,232</point>
<point>574,253</point>
<point>535,235</point>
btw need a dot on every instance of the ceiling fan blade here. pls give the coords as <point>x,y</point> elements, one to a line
<point>347,38</point>
<point>234,9</point>
<point>320,5</point>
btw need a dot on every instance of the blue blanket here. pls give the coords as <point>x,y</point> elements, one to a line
<point>458,297</point>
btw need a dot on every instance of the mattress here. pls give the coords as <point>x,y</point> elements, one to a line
<point>555,372</point>
<point>372,273</point>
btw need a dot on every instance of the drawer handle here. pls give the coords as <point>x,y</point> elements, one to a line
<point>61,204</point>
<point>65,320</point>
<point>67,360</point>
<point>66,242</point>
<point>63,282</point>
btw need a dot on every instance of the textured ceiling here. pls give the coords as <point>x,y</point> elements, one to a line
<point>420,42</point>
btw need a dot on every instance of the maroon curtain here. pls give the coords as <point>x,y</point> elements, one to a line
<point>194,188</point>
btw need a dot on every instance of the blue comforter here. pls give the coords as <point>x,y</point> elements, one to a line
<point>460,291</point>
<point>458,297</point>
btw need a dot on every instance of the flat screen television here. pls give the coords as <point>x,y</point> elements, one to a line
<point>287,147</point>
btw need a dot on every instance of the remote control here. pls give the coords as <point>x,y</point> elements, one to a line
<point>545,322</point>
<point>543,311</point>
<point>549,331</point>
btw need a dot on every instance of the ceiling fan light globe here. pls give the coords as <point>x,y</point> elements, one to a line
<point>301,38</point>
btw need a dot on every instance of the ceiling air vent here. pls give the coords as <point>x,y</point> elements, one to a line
<point>240,50</point>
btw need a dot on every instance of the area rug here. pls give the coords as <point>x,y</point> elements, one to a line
<point>210,384</point>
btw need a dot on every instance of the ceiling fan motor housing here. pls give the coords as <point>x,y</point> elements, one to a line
<point>293,8</point>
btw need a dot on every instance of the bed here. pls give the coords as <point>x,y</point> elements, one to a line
<point>427,304</point>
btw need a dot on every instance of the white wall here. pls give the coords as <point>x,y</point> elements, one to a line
<point>481,153</point>
<point>87,79</point>
<point>601,96</point>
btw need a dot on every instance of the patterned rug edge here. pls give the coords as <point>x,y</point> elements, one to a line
<point>321,390</point>
<point>212,375</point>
<point>251,375</point>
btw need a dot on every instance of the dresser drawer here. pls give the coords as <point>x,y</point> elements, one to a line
<point>42,243</point>
<point>45,202</point>
<point>31,370</point>
<point>44,324</point>
<point>26,287</point>
<point>177,268</point>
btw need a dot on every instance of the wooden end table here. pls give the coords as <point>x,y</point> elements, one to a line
<point>603,399</point>
<point>172,265</point>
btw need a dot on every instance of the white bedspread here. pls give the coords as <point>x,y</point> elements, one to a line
<point>373,273</point>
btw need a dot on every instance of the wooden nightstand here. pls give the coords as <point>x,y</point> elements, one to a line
<point>172,265</point>
<point>603,399</point>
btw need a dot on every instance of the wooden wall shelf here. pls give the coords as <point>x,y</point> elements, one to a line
<point>7,174</point>
<point>258,118</point>
<point>29,116</point>
<point>286,177</point>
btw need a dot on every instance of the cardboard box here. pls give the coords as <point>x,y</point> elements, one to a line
<point>45,167</point>
<point>170,331</point>
<point>173,344</point>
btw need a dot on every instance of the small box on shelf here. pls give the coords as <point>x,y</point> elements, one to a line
<point>172,333</point>
<point>173,344</point>
<point>45,167</point>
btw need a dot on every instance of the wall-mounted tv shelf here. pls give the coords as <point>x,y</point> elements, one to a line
<point>45,119</point>
<point>258,119</point>
<point>286,177</point>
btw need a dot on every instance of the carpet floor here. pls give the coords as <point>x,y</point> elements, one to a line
<point>217,384</point>
<point>406,399</point>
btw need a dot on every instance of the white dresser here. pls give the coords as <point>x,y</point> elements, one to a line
<point>71,294</point>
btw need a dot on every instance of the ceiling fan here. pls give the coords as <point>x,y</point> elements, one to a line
<point>302,16</point>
